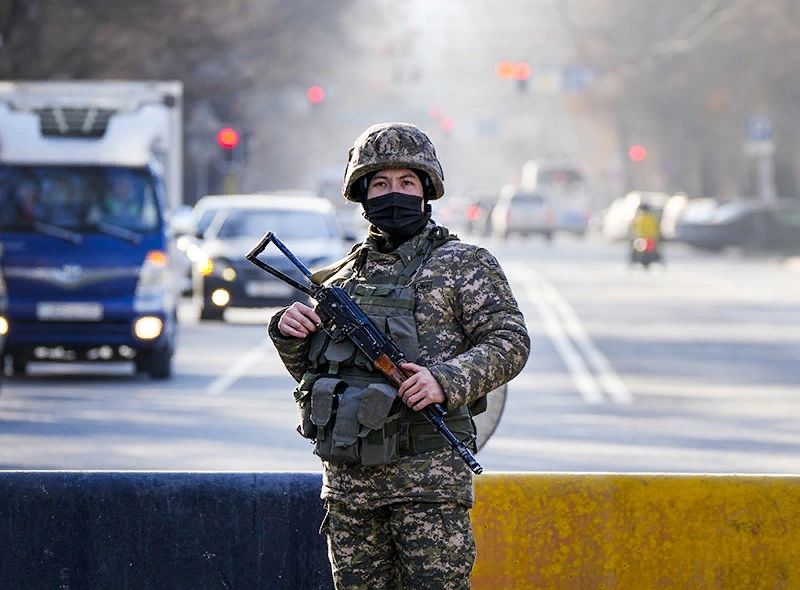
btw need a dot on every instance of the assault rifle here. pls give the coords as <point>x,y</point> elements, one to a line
<point>342,318</point>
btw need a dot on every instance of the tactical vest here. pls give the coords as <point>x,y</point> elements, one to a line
<point>346,405</point>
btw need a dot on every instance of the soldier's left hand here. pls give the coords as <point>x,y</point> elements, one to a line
<point>421,389</point>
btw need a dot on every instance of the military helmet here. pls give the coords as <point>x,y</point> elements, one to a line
<point>392,145</point>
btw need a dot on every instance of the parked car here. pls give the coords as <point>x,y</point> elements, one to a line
<point>223,278</point>
<point>681,209</point>
<point>617,218</point>
<point>681,206</point>
<point>572,219</point>
<point>564,182</point>
<point>524,213</point>
<point>673,207</point>
<point>747,224</point>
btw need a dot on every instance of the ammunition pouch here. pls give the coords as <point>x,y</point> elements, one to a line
<point>302,400</point>
<point>355,424</point>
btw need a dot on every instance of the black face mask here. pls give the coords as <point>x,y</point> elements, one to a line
<point>398,214</point>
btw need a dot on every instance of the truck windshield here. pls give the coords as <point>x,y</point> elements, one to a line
<point>84,199</point>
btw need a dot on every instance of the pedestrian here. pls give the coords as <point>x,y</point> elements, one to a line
<point>397,496</point>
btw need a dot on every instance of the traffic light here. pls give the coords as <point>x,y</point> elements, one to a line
<point>315,94</point>
<point>510,70</point>
<point>637,153</point>
<point>522,73</point>
<point>447,124</point>
<point>505,70</point>
<point>228,139</point>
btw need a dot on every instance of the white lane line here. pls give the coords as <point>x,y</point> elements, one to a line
<point>605,373</point>
<point>221,384</point>
<point>581,376</point>
<point>574,345</point>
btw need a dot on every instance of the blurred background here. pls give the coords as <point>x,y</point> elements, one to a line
<point>669,97</point>
<point>555,121</point>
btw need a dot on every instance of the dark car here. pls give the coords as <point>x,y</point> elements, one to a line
<point>750,225</point>
<point>223,278</point>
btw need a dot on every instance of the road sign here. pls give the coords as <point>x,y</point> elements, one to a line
<point>758,128</point>
<point>576,78</point>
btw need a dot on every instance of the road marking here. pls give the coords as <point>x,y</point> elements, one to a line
<point>581,376</point>
<point>591,371</point>
<point>221,384</point>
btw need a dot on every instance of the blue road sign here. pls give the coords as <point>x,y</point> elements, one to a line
<point>758,128</point>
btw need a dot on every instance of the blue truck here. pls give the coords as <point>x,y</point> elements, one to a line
<point>89,173</point>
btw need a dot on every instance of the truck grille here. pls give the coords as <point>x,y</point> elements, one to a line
<point>72,332</point>
<point>73,122</point>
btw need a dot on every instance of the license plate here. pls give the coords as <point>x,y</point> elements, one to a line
<point>266,289</point>
<point>63,312</point>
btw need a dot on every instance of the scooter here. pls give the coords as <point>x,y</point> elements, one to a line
<point>645,251</point>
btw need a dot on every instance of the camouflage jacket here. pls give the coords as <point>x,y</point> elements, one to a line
<point>461,292</point>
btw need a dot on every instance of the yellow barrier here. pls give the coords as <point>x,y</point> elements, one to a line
<point>636,532</point>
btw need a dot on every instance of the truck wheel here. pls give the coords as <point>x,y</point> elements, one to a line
<point>211,312</point>
<point>158,363</point>
<point>19,365</point>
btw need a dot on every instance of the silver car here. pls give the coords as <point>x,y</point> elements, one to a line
<point>223,278</point>
<point>524,213</point>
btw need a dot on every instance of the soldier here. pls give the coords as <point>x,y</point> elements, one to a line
<point>397,496</point>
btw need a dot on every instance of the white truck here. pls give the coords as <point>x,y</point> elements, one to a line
<point>89,174</point>
<point>563,183</point>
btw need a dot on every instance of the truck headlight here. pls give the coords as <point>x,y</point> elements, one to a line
<point>148,327</point>
<point>153,288</point>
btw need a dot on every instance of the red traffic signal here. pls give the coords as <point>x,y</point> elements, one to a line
<point>510,70</point>
<point>447,124</point>
<point>637,153</point>
<point>522,71</point>
<point>315,94</point>
<point>228,138</point>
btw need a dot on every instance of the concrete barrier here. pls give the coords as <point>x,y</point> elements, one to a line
<point>162,530</point>
<point>592,531</point>
<point>159,531</point>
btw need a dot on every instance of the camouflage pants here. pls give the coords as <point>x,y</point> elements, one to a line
<point>408,545</point>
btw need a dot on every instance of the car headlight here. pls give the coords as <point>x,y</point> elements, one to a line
<point>218,267</point>
<point>205,266</point>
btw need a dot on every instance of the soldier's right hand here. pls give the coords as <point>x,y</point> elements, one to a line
<point>298,321</point>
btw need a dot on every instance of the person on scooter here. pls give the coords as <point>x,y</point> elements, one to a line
<point>645,235</point>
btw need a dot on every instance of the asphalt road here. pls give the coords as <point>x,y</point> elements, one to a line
<point>694,367</point>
